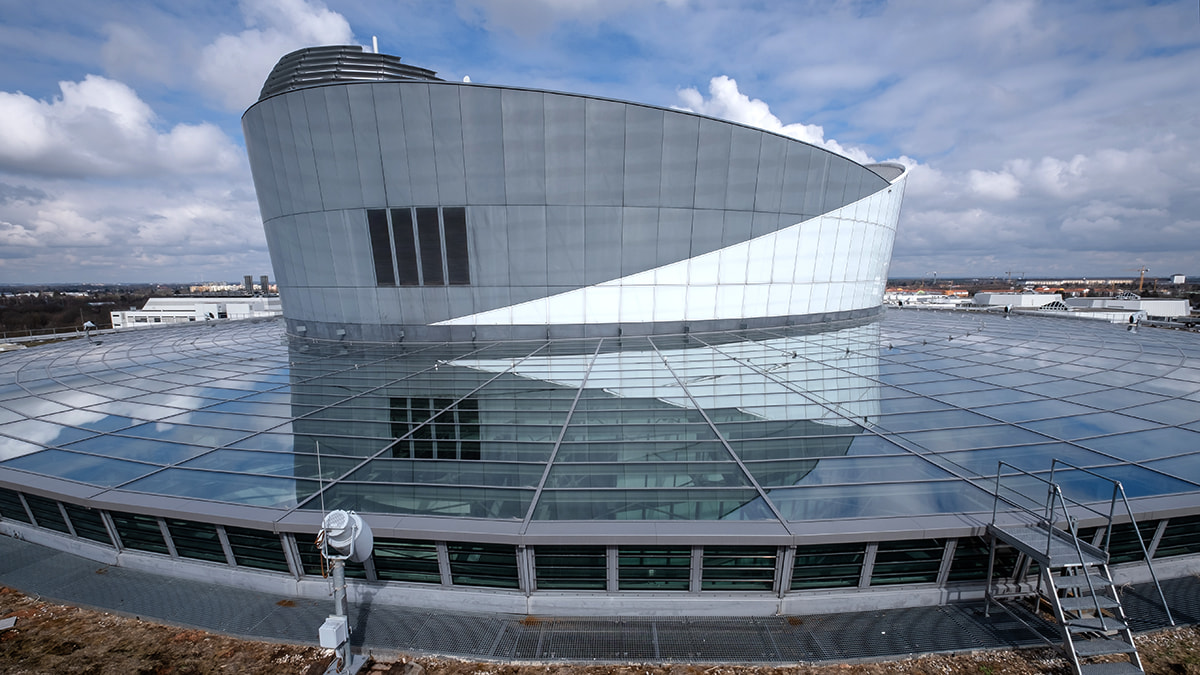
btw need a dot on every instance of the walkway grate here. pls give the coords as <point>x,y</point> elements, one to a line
<point>811,638</point>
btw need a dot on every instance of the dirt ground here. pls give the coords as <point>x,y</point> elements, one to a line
<point>49,638</point>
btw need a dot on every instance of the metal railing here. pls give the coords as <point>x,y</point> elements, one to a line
<point>1118,491</point>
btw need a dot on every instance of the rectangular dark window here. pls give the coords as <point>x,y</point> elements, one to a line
<point>402,560</point>
<point>907,562</point>
<point>492,565</point>
<point>738,568</point>
<point>406,249</point>
<point>257,549</point>
<point>654,569</point>
<point>458,263</point>
<point>11,507</point>
<point>571,567</point>
<point>196,540</point>
<point>88,524</point>
<point>430,237</point>
<point>381,247</point>
<point>828,566</point>
<point>139,532</point>
<point>46,513</point>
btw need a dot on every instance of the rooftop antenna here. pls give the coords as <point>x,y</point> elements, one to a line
<point>375,43</point>
<point>343,536</point>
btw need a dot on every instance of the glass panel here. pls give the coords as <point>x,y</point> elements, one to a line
<point>971,560</point>
<point>46,513</point>
<point>738,568</point>
<point>196,540</point>
<point>654,569</point>
<point>493,565</point>
<point>11,507</point>
<point>430,247</point>
<point>88,523</point>
<point>381,247</point>
<point>571,567</point>
<point>1180,537</point>
<point>1123,545</point>
<point>907,562</point>
<point>828,566</point>
<point>458,263</point>
<point>257,549</point>
<point>404,560</point>
<point>139,532</point>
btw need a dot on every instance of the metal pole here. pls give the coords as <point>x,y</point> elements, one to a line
<point>342,656</point>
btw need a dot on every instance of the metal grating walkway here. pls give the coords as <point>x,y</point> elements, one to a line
<point>59,576</point>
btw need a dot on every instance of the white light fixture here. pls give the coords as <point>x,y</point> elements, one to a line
<point>344,536</point>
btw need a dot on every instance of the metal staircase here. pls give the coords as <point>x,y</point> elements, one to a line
<point>1073,575</point>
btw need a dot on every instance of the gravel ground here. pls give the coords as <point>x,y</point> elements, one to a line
<point>49,638</point>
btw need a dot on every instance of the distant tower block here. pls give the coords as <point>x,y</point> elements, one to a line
<point>264,282</point>
<point>248,282</point>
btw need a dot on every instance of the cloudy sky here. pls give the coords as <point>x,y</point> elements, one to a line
<point>1051,137</point>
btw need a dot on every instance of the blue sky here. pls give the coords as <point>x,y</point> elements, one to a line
<point>1046,137</point>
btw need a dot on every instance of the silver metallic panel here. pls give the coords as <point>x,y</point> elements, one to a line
<point>418,134</point>
<point>601,232</point>
<point>712,168</point>
<point>527,245</point>
<point>769,189</point>
<point>392,144</point>
<point>564,239</point>
<point>639,237</point>
<point>565,134</point>
<point>341,190</point>
<point>448,145</point>
<point>299,189</point>
<point>604,153</point>
<point>743,168</point>
<point>795,178</point>
<point>483,145</point>
<point>674,235</point>
<point>487,226</point>
<point>524,147</point>
<point>643,155</point>
<point>681,137</point>
<point>366,145</point>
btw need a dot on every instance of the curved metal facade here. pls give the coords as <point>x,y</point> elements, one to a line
<point>420,209</point>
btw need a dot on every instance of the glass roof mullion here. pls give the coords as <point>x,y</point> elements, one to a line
<point>562,432</point>
<point>724,441</point>
<point>366,460</point>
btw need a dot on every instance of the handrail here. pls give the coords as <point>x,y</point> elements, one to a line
<point>1054,498</point>
<point>1119,490</point>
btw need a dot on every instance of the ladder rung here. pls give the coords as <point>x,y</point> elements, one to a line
<point>1083,603</point>
<point>1094,624</point>
<point>1118,668</point>
<point>1099,647</point>
<point>1081,581</point>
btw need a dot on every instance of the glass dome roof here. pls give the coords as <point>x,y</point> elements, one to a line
<point>906,416</point>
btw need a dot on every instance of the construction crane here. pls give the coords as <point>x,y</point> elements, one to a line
<point>1141,279</point>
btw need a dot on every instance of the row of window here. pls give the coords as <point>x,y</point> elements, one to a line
<point>585,568</point>
<point>420,246</point>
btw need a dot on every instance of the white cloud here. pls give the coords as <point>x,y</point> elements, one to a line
<point>100,127</point>
<point>234,67</point>
<point>727,102</point>
<point>998,185</point>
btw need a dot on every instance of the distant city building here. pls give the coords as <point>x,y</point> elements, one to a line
<point>1178,279</point>
<point>1153,307</point>
<point>162,311</point>
<point>1016,300</point>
